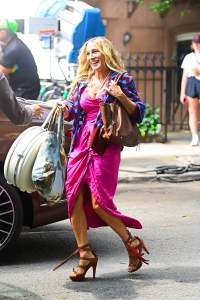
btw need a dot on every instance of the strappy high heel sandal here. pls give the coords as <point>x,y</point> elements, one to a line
<point>92,263</point>
<point>135,253</point>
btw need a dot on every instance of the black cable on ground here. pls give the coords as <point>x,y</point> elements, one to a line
<point>176,179</point>
<point>177,170</point>
<point>174,170</point>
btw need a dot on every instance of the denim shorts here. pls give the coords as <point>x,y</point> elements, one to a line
<point>193,87</point>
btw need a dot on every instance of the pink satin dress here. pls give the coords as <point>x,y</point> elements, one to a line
<point>100,173</point>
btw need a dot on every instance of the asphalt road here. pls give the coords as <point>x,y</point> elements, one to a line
<point>169,213</point>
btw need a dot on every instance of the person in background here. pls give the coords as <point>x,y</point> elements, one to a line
<point>190,87</point>
<point>13,109</point>
<point>92,177</point>
<point>17,62</point>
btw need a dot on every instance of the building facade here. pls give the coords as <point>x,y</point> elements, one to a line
<point>136,29</point>
<point>153,46</point>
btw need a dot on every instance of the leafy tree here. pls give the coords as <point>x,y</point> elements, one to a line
<point>163,6</point>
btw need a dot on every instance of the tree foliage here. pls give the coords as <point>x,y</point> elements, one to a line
<point>163,6</point>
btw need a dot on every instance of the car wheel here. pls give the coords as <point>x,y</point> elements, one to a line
<point>11,215</point>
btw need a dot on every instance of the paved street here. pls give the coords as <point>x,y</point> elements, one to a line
<point>169,211</point>
<point>170,216</point>
<point>140,164</point>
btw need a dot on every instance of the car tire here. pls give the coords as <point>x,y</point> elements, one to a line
<point>11,215</point>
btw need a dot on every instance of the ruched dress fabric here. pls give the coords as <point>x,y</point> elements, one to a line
<point>99,172</point>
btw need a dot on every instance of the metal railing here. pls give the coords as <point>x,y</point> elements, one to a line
<point>159,86</point>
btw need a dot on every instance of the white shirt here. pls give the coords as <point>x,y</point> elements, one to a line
<point>190,61</point>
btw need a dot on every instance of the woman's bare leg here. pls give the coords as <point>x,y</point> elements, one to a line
<point>115,223</point>
<point>193,114</point>
<point>79,225</point>
<point>78,220</point>
<point>118,226</point>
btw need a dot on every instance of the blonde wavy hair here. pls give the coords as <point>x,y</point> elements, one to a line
<point>112,59</point>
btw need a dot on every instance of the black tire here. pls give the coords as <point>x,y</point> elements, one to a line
<point>11,215</point>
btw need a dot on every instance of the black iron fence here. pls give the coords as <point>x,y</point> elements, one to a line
<point>159,86</point>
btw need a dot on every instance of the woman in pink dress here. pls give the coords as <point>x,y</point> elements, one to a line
<point>92,177</point>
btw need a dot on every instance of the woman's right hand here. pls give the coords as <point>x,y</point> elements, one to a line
<point>183,99</point>
<point>63,106</point>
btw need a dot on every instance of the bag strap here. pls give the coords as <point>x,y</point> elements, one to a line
<point>118,76</point>
<point>116,79</point>
<point>60,128</point>
<point>49,117</point>
<point>54,117</point>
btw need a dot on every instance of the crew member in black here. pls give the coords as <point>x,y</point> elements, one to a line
<point>17,62</point>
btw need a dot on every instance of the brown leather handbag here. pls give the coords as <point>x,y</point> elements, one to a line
<point>97,142</point>
<point>117,125</point>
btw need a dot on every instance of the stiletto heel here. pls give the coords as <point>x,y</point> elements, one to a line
<point>94,269</point>
<point>92,263</point>
<point>135,253</point>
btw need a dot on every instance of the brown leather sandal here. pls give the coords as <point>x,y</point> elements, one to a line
<point>92,263</point>
<point>135,253</point>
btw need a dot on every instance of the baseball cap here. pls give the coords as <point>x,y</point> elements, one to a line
<point>9,24</point>
<point>196,38</point>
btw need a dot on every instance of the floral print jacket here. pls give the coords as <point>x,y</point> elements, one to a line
<point>77,113</point>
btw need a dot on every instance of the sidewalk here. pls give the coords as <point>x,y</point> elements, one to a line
<point>142,163</point>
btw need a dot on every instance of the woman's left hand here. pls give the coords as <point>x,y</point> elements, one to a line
<point>114,90</point>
